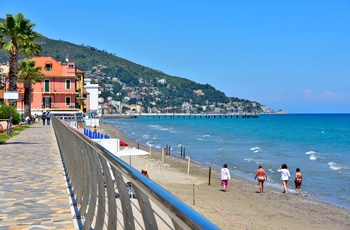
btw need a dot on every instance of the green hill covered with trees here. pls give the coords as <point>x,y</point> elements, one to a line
<point>117,76</point>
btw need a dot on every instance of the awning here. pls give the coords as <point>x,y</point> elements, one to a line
<point>122,143</point>
<point>131,152</point>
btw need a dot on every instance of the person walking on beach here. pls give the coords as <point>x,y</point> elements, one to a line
<point>261,175</point>
<point>225,177</point>
<point>285,175</point>
<point>298,180</point>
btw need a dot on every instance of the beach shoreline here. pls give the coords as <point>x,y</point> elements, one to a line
<point>240,208</point>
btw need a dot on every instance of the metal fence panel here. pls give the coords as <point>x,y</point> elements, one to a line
<point>103,199</point>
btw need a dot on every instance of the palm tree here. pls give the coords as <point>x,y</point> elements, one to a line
<point>28,75</point>
<point>16,33</point>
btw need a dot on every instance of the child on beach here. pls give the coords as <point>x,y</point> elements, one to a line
<point>225,176</point>
<point>298,180</point>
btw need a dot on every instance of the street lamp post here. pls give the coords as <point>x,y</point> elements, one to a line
<point>22,100</point>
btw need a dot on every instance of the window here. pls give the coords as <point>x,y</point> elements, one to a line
<point>67,84</point>
<point>47,102</point>
<point>47,86</point>
<point>48,66</point>
<point>67,100</point>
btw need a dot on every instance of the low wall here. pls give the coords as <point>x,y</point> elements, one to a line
<point>3,126</point>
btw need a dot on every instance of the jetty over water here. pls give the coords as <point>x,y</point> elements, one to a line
<point>183,115</point>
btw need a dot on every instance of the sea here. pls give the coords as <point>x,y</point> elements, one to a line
<point>318,144</point>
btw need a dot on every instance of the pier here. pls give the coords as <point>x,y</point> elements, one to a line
<point>183,115</point>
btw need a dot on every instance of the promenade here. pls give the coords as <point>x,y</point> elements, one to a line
<point>33,192</point>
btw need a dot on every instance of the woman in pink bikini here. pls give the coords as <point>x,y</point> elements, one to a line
<point>261,175</point>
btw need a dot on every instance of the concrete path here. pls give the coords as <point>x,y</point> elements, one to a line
<point>33,192</point>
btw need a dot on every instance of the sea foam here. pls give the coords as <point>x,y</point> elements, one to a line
<point>310,152</point>
<point>334,166</point>
<point>256,149</point>
<point>252,160</point>
<point>313,154</point>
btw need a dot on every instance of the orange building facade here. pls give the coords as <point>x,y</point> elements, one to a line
<point>61,88</point>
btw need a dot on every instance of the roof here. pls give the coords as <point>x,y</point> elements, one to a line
<point>56,66</point>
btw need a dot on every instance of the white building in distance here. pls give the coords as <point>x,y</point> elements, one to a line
<point>93,95</point>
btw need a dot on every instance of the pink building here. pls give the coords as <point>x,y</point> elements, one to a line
<point>60,90</point>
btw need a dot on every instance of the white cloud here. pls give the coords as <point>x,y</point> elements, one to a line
<point>329,94</point>
<point>308,93</point>
<point>326,95</point>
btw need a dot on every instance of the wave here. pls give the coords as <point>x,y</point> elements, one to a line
<point>149,143</point>
<point>158,127</point>
<point>168,129</point>
<point>313,154</point>
<point>200,139</point>
<point>255,149</point>
<point>334,166</point>
<point>207,135</point>
<point>221,150</point>
<point>252,160</point>
<point>313,157</point>
<point>256,161</point>
<point>310,152</point>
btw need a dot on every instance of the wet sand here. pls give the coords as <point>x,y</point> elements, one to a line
<point>242,207</point>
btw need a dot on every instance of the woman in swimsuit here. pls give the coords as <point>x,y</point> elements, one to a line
<point>298,181</point>
<point>284,176</point>
<point>261,175</point>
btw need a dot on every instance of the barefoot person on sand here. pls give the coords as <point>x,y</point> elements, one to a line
<point>225,176</point>
<point>261,175</point>
<point>298,181</point>
<point>285,175</point>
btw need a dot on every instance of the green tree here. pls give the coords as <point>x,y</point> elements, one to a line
<point>16,33</point>
<point>28,74</point>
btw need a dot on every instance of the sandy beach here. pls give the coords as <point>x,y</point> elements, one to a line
<point>242,207</point>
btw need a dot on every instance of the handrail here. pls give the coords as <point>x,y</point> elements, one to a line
<point>101,199</point>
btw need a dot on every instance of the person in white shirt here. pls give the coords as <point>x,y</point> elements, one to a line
<point>285,175</point>
<point>27,120</point>
<point>225,176</point>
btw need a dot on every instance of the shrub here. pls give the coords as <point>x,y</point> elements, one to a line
<point>5,113</point>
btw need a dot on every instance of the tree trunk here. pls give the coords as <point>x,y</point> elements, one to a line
<point>13,75</point>
<point>27,96</point>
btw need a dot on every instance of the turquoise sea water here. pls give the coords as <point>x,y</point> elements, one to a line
<point>319,144</point>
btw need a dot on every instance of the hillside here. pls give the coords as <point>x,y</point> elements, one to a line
<point>131,83</point>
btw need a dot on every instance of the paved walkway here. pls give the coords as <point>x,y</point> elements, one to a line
<point>33,193</point>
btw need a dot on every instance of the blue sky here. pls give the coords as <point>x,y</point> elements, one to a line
<point>293,55</point>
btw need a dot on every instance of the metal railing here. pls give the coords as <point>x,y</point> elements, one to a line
<point>107,193</point>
